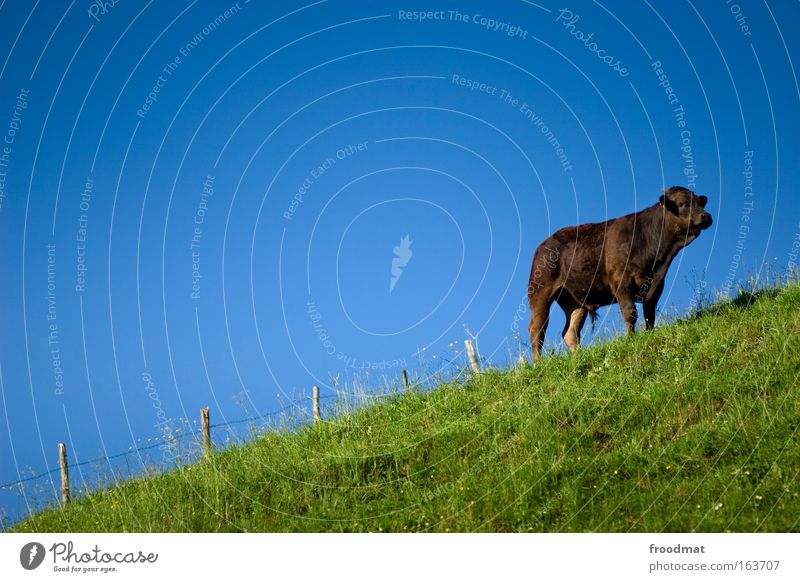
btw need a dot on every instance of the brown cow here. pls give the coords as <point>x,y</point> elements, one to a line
<point>623,260</point>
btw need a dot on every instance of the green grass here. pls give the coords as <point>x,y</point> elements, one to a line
<point>690,427</point>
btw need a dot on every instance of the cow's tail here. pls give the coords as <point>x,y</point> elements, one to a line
<point>592,309</point>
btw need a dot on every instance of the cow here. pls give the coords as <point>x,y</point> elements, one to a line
<point>623,260</point>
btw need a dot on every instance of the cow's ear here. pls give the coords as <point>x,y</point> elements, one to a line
<point>703,201</point>
<point>668,204</point>
<point>663,199</point>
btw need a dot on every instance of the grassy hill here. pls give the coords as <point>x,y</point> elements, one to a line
<point>690,427</point>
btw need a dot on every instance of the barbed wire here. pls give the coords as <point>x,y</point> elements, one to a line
<point>159,441</point>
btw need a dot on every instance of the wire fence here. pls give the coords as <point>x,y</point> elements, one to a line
<point>259,423</point>
<point>46,492</point>
<point>136,449</point>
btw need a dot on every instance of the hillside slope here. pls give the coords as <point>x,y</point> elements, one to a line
<point>690,427</point>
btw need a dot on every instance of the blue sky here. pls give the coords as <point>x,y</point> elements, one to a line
<point>200,201</point>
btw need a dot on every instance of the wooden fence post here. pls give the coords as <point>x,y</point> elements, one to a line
<point>405,382</point>
<point>315,404</point>
<point>62,461</point>
<point>206,427</point>
<point>473,359</point>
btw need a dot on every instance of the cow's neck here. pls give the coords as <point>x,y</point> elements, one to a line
<point>663,239</point>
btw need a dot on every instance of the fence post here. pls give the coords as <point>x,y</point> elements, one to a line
<point>473,360</point>
<point>315,404</point>
<point>62,461</point>
<point>206,427</point>
<point>405,382</point>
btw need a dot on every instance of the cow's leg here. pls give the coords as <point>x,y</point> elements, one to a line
<point>627,305</point>
<point>649,307</point>
<point>629,315</point>
<point>576,316</point>
<point>540,315</point>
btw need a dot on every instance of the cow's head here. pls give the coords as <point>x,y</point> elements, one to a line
<point>686,210</point>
